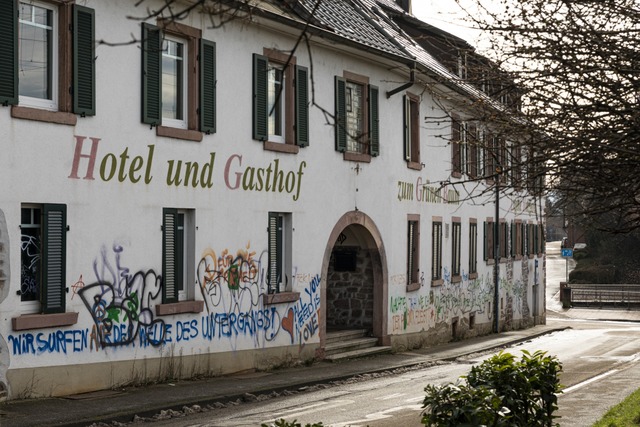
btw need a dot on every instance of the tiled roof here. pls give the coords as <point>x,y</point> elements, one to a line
<point>350,20</point>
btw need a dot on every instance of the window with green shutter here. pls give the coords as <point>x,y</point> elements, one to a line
<point>357,117</point>
<point>43,257</point>
<point>413,249</point>
<point>280,102</point>
<point>436,251</point>
<point>178,76</point>
<point>178,254</point>
<point>411,134</point>
<point>279,264</point>
<point>35,37</point>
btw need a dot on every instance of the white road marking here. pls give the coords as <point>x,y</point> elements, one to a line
<point>589,381</point>
<point>310,409</point>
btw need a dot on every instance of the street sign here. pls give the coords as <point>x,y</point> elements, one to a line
<point>567,253</point>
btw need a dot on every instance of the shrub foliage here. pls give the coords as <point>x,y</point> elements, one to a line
<point>501,391</point>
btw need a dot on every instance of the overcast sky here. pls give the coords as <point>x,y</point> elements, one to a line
<point>447,15</point>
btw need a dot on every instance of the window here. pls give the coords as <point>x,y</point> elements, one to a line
<point>35,77</point>
<point>504,239</point>
<point>413,252</point>
<point>474,152</point>
<point>280,102</point>
<point>357,121</point>
<point>517,247</point>
<point>489,239</point>
<point>458,146</point>
<point>178,254</point>
<point>456,234</point>
<point>43,257</point>
<point>178,81</point>
<point>436,251</point>
<point>412,131</point>
<point>279,248</point>
<point>473,248</point>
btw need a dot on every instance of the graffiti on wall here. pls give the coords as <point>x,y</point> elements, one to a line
<point>120,301</point>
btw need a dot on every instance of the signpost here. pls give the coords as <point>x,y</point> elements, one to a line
<point>566,253</point>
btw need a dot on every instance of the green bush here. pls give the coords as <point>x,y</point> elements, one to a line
<point>501,391</point>
<point>597,274</point>
<point>284,423</point>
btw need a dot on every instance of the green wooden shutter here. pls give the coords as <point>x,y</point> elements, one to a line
<point>207,110</point>
<point>275,252</point>
<point>341,114</point>
<point>54,250</point>
<point>84,71</point>
<point>151,75</point>
<point>8,52</point>
<point>410,252</point>
<point>513,240</point>
<point>374,121</point>
<point>302,106</point>
<point>487,231</point>
<point>456,160</point>
<point>169,249</point>
<point>406,113</point>
<point>260,97</point>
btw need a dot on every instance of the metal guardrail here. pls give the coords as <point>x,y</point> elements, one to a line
<point>607,295</point>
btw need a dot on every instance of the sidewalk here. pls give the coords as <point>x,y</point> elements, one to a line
<point>122,405</point>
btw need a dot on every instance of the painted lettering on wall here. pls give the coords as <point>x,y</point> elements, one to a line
<point>138,167</point>
<point>425,193</point>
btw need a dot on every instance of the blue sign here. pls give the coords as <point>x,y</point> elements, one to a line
<point>567,253</point>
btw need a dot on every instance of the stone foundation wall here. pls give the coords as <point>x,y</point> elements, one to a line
<point>350,293</point>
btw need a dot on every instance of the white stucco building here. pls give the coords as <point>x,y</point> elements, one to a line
<point>221,194</point>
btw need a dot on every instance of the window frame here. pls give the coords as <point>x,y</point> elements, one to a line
<point>200,108</point>
<point>181,96</point>
<point>295,108</point>
<point>473,248</point>
<point>456,249</point>
<point>413,252</point>
<point>370,118</point>
<point>489,238</point>
<point>411,116</point>
<point>279,252</point>
<point>436,252</point>
<point>178,255</point>
<point>74,63</point>
<point>53,258</point>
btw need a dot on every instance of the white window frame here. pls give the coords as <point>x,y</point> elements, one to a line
<point>187,292</point>
<point>282,97</point>
<point>29,101</point>
<point>184,122</point>
<point>29,307</point>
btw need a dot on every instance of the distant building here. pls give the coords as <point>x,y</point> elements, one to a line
<point>207,199</point>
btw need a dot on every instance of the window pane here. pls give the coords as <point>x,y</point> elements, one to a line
<point>36,44</point>
<point>30,249</point>
<point>355,117</point>
<point>172,80</point>
<point>276,100</point>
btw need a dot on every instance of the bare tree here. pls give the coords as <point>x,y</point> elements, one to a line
<point>575,66</point>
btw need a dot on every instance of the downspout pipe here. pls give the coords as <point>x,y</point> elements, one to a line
<point>412,80</point>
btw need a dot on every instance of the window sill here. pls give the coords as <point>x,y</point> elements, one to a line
<point>438,282</point>
<point>281,147</point>
<point>456,279</point>
<point>456,175</point>
<point>280,298</point>
<point>180,307</point>
<point>414,165</point>
<point>473,275</point>
<point>29,113</point>
<point>39,321</point>
<point>186,134</point>
<point>413,287</point>
<point>356,157</point>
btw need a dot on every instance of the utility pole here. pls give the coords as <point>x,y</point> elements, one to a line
<point>496,255</point>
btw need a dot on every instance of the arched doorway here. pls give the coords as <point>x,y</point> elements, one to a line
<point>354,279</point>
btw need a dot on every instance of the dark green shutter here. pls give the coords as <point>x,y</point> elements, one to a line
<point>485,248</point>
<point>275,251</point>
<point>54,250</point>
<point>207,110</point>
<point>456,160</point>
<point>151,75</point>
<point>406,109</point>
<point>302,106</point>
<point>169,246</point>
<point>513,240</point>
<point>84,71</point>
<point>8,52</point>
<point>341,114</point>
<point>374,121</point>
<point>260,97</point>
